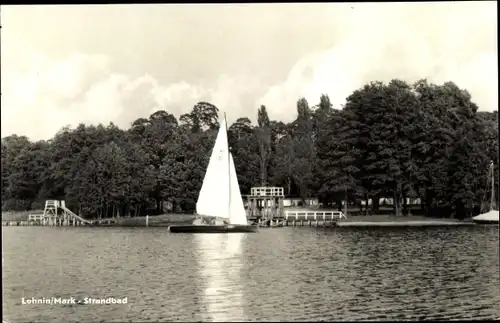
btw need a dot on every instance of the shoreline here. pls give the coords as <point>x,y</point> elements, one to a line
<point>165,220</point>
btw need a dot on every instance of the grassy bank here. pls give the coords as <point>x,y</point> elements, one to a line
<point>128,221</point>
<point>163,219</point>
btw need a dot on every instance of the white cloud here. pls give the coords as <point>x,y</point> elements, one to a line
<point>81,89</point>
<point>442,42</point>
<point>453,43</point>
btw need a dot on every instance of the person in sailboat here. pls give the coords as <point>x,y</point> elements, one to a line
<point>204,220</point>
<point>199,221</point>
<point>217,221</point>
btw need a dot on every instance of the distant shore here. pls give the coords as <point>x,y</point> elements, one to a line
<point>164,219</point>
<point>175,218</point>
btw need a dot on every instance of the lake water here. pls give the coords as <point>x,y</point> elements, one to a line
<point>276,274</point>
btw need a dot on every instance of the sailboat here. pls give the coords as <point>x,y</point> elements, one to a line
<point>219,207</point>
<point>490,217</point>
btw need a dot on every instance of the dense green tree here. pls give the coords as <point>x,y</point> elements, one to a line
<point>390,140</point>
<point>304,153</point>
<point>245,150</point>
<point>337,159</point>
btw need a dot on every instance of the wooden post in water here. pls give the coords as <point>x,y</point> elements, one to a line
<point>56,203</point>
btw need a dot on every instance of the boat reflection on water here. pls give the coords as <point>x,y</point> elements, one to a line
<point>220,262</point>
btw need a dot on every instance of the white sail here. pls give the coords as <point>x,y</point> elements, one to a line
<point>237,214</point>
<point>213,199</point>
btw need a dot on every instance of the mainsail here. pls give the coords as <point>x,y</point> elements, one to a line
<point>220,192</point>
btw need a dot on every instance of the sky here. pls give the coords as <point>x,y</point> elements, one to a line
<point>64,65</point>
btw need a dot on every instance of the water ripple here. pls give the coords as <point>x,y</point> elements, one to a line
<point>299,274</point>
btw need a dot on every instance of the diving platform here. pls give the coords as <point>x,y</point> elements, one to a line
<point>55,213</point>
<point>265,205</point>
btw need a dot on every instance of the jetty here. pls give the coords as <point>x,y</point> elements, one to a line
<point>313,218</point>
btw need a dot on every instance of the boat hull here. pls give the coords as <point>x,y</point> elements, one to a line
<point>212,228</point>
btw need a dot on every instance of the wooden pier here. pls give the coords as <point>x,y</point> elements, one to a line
<point>265,208</point>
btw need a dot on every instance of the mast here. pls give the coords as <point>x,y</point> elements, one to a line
<point>228,170</point>
<point>492,201</point>
<point>345,195</point>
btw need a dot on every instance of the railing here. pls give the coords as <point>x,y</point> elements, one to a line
<point>55,204</point>
<point>267,191</point>
<point>35,217</point>
<point>314,216</point>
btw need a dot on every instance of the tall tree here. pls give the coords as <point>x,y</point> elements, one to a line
<point>245,152</point>
<point>263,133</point>
<point>303,146</point>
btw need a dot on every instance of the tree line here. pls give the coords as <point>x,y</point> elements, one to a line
<point>393,139</point>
